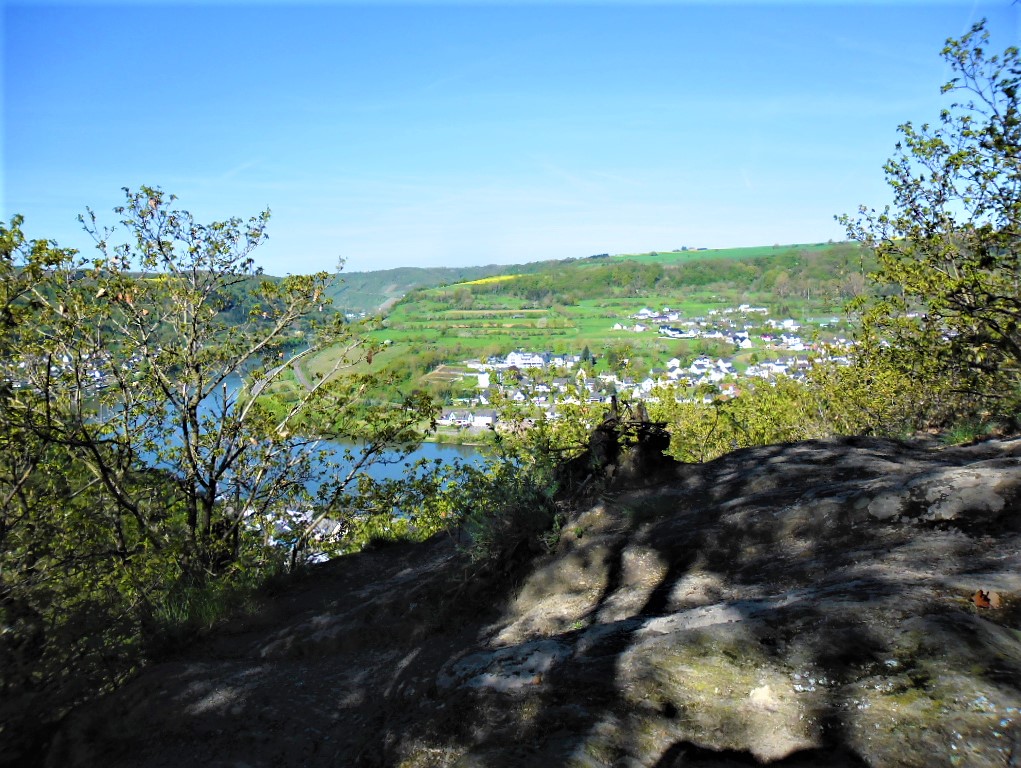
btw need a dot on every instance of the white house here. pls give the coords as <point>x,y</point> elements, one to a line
<point>525,360</point>
<point>741,340</point>
<point>483,419</point>
<point>793,343</point>
<point>454,419</point>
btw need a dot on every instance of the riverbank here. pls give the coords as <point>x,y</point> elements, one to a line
<point>471,437</point>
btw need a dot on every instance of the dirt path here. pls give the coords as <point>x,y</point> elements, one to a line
<point>299,374</point>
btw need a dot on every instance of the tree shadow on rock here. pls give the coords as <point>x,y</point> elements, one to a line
<point>769,596</point>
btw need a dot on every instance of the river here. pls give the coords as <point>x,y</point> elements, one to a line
<point>379,470</point>
<point>445,452</point>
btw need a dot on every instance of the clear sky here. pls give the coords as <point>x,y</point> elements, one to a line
<point>426,134</point>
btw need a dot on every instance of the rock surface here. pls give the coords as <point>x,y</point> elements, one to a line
<point>845,602</point>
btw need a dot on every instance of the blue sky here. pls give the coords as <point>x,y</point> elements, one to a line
<point>426,134</point>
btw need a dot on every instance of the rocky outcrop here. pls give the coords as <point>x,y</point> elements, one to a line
<point>843,602</point>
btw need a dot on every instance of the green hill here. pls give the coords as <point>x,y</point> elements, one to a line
<point>376,291</point>
<point>753,268</point>
<point>565,306</point>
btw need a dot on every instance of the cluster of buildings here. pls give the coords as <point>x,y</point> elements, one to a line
<point>523,360</point>
<point>731,325</point>
<point>544,393</point>
<point>517,377</point>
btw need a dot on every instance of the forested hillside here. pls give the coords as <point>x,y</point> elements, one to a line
<point>827,270</point>
<point>830,272</point>
<point>376,291</point>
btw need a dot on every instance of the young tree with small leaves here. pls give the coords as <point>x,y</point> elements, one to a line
<point>147,463</point>
<point>140,415</point>
<point>949,248</point>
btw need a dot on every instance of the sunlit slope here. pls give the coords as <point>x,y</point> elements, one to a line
<point>564,306</point>
<point>377,291</point>
<point>373,292</point>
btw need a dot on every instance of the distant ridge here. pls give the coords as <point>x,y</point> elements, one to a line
<point>369,291</point>
<point>376,291</point>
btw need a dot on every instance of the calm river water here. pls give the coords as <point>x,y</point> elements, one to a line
<point>443,451</point>
<point>380,470</point>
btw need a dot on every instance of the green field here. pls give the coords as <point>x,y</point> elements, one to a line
<point>574,304</point>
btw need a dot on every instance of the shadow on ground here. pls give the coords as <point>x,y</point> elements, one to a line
<point>798,605</point>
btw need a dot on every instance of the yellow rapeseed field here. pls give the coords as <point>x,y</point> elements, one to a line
<point>494,279</point>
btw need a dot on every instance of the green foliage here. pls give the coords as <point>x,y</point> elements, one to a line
<point>871,397</point>
<point>764,413</point>
<point>510,513</point>
<point>965,432</point>
<point>949,250</point>
<point>864,398</point>
<point>499,510</point>
<point>374,530</point>
<point>145,471</point>
<point>71,568</point>
<point>508,507</point>
<point>496,510</point>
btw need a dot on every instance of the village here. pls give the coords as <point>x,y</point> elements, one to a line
<point>542,381</point>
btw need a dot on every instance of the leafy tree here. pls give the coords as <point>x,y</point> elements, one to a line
<point>463,298</point>
<point>949,249</point>
<point>506,505</point>
<point>140,360</point>
<point>863,399</point>
<point>782,286</point>
<point>154,433</point>
<point>619,357</point>
<point>71,568</point>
